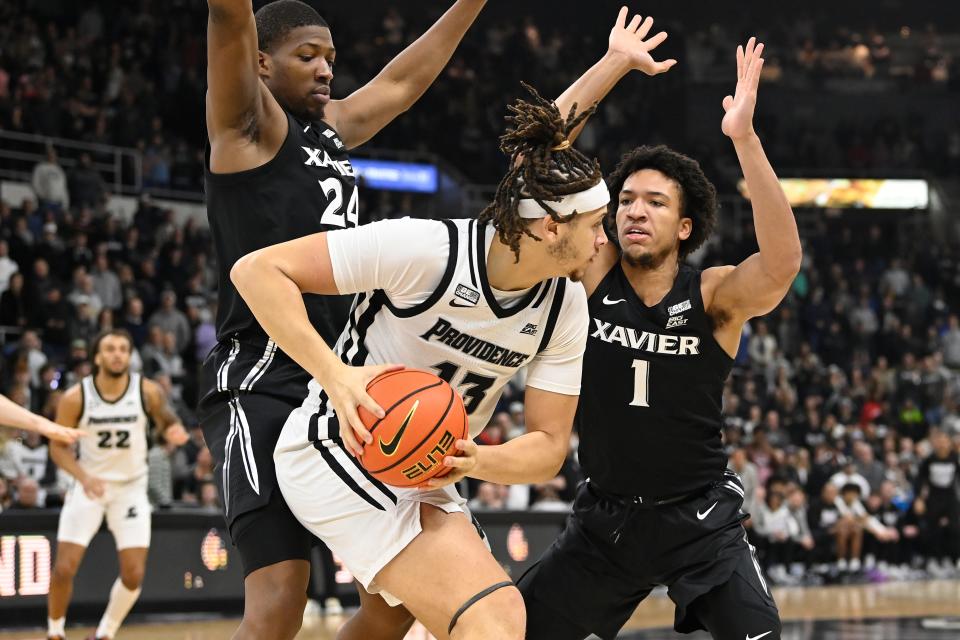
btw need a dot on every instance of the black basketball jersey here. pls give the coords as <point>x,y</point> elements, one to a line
<point>650,407</point>
<point>308,187</point>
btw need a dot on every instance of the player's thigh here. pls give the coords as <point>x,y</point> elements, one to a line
<point>289,540</point>
<point>80,517</point>
<point>442,568</point>
<point>742,607</point>
<point>128,515</point>
<point>578,587</point>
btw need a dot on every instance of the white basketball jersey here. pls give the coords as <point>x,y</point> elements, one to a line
<point>457,327</point>
<point>116,447</point>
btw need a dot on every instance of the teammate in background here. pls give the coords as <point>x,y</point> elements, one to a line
<point>277,170</point>
<point>938,486</point>
<point>13,415</point>
<point>473,300</point>
<point>659,505</point>
<point>113,407</point>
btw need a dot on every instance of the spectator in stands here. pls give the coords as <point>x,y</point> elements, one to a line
<point>171,320</point>
<point>776,530</point>
<point>868,466</point>
<point>31,456</point>
<point>209,498</point>
<point>849,475</point>
<point>160,473</point>
<point>7,267</point>
<point>27,495</point>
<point>6,498</point>
<point>87,188</point>
<point>748,476</point>
<point>49,182</point>
<point>14,305</point>
<point>949,341</point>
<point>106,283</point>
<point>489,496</point>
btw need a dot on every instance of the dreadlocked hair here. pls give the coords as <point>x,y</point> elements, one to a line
<point>543,165</point>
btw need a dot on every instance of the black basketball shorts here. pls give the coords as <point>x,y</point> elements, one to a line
<point>249,387</point>
<point>591,580</point>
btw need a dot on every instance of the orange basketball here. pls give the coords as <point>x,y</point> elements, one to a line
<point>424,417</point>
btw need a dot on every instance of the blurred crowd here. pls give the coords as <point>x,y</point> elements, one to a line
<point>133,74</point>
<point>841,414</point>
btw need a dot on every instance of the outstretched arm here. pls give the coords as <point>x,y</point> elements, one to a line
<point>272,282</point>
<point>757,285</point>
<point>359,116</point>
<point>628,49</point>
<point>13,415</point>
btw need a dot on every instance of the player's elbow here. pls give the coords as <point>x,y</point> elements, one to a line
<point>554,456</point>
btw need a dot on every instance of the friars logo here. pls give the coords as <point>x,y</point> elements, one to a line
<point>465,294</point>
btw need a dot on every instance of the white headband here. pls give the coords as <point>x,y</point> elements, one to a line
<point>592,199</point>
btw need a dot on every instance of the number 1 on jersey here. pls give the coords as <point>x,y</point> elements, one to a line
<point>641,383</point>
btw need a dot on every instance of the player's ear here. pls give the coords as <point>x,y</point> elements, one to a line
<point>549,228</point>
<point>266,64</point>
<point>686,228</point>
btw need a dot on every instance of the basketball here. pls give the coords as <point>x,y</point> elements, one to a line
<point>424,417</point>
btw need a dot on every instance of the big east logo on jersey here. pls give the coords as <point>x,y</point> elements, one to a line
<point>320,158</point>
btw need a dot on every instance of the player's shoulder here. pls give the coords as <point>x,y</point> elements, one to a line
<point>72,400</point>
<point>710,279</point>
<point>574,312</point>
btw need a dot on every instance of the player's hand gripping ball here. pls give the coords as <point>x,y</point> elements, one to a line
<point>423,419</point>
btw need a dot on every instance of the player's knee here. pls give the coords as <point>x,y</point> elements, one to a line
<point>65,569</point>
<point>275,613</point>
<point>499,615</point>
<point>132,577</point>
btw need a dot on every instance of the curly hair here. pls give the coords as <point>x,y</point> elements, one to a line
<point>698,196</point>
<point>543,166</point>
<point>276,19</point>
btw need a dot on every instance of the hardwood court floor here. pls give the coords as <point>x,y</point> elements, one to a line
<point>891,600</point>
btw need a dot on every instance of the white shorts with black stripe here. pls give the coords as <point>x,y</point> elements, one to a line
<point>363,521</point>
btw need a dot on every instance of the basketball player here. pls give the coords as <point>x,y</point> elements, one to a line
<point>13,415</point>
<point>278,170</point>
<point>113,407</point>
<point>473,300</point>
<point>659,506</point>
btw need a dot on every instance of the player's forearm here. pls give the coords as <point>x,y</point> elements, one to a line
<point>277,303</point>
<point>63,456</point>
<point>13,415</point>
<point>417,66</point>
<point>593,86</point>
<point>776,227</point>
<point>534,457</point>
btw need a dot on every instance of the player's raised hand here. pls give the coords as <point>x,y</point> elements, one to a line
<point>628,40</point>
<point>347,391</point>
<point>460,465</point>
<point>54,431</point>
<point>176,435</point>
<point>738,119</point>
